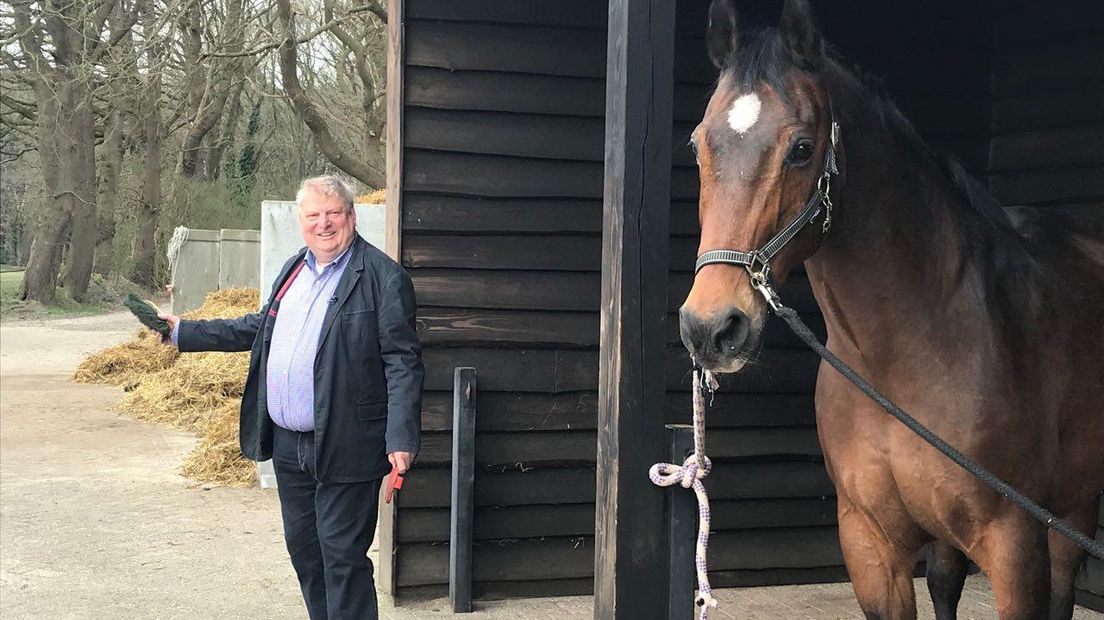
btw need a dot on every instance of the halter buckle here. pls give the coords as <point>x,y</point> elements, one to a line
<point>759,270</point>
<point>824,186</point>
<point>757,266</point>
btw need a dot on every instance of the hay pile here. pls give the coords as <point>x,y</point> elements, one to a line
<point>197,392</point>
<point>186,394</point>
<point>217,457</point>
<point>126,364</point>
<point>375,197</point>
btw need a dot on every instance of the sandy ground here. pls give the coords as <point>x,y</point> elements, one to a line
<point>95,522</point>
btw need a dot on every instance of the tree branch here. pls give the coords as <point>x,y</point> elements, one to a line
<point>340,33</point>
<point>28,37</point>
<point>307,37</point>
<point>289,73</point>
<point>12,156</point>
<point>24,109</point>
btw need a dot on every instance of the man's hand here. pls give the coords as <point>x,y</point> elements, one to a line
<point>399,460</point>
<point>172,320</point>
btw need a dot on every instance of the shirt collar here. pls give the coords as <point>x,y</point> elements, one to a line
<point>312,261</point>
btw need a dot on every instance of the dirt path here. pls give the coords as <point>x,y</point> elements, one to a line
<point>94,520</point>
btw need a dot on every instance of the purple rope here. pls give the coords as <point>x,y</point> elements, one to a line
<point>690,475</point>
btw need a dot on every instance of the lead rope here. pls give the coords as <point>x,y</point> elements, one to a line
<point>690,475</point>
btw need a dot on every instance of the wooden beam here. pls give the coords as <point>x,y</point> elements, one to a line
<point>682,519</point>
<point>388,517</point>
<point>395,40</point>
<point>463,495</point>
<point>630,579</point>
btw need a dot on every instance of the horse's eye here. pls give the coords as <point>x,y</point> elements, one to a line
<point>800,153</point>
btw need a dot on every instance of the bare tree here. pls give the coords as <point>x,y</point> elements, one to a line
<point>62,82</point>
<point>367,166</point>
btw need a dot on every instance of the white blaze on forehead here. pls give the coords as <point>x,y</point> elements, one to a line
<point>744,113</point>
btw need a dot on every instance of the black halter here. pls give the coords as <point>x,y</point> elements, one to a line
<point>757,262</point>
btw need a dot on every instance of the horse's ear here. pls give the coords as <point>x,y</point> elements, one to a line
<point>721,35</point>
<point>800,32</point>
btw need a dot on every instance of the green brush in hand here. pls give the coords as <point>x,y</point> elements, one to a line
<point>147,314</point>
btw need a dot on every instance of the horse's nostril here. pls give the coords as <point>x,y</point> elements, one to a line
<point>722,335</point>
<point>692,331</point>
<point>730,332</point>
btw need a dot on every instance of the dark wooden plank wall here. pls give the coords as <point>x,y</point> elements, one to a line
<point>1047,146</point>
<point>501,233</point>
<point>502,219</point>
<point>951,109</point>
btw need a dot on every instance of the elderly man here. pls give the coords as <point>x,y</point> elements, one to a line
<point>333,395</point>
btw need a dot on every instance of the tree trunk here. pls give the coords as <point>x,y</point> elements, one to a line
<point>78,171</point>
<point>143,262</point>
<point>112,156</point>
<point>226,137</point>
<point>143,259</point>
<point>206,120</point>
<point>40,278</point>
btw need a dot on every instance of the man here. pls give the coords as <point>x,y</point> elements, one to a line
<point>333,395</point>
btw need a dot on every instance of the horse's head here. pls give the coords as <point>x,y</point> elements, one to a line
<point>762,147</point>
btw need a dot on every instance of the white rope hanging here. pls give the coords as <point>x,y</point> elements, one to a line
<point>690,475</point>
<point>172,252</point>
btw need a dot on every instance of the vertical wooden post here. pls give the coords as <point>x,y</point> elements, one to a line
<point>396,39</point>
<point>388,513</point>
<point>682,520</point>
<point>463,485</point>
<point>630,573</point>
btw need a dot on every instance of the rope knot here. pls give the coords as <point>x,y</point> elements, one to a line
<point>706,600</point>
<point>693,469</point>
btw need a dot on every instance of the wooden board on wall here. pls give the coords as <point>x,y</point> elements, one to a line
<point>572,557</point>
<point>515,484</point>
<point>510,522</point>
<point>521,411</point>
<point>496,91</point>
<point>569,447</point>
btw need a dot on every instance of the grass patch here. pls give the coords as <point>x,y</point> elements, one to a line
<point>9,286</point>
<point>64,306</point>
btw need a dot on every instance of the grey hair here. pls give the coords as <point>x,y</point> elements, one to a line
<point>326,185</point>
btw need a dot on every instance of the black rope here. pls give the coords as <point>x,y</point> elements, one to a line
<point>998,485</point>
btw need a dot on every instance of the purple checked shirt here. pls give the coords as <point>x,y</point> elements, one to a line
<point>290,369</point>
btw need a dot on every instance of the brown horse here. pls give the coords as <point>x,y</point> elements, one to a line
<point>992,338</point>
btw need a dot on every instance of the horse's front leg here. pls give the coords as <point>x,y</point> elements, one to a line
<point>880,568</point>
<point>1065,561</point>
<point>946,572</point>
<point>1012,550</point>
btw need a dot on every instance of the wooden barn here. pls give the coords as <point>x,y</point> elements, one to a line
<point>519,132</point>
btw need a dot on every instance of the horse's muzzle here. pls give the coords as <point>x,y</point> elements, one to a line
<point>716,342</point>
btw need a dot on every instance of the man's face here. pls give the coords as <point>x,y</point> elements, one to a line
<point>327,228</point>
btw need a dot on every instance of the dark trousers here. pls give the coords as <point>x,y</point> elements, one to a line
<point>328,528</point>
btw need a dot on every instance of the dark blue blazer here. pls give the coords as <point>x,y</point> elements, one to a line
<point>368,371</point>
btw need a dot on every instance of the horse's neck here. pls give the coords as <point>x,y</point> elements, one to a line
<point>904,252</point>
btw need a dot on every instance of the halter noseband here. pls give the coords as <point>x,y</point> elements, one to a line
<point>757,262</point>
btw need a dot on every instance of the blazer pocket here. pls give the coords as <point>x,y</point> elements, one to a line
<point>375,409</point>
